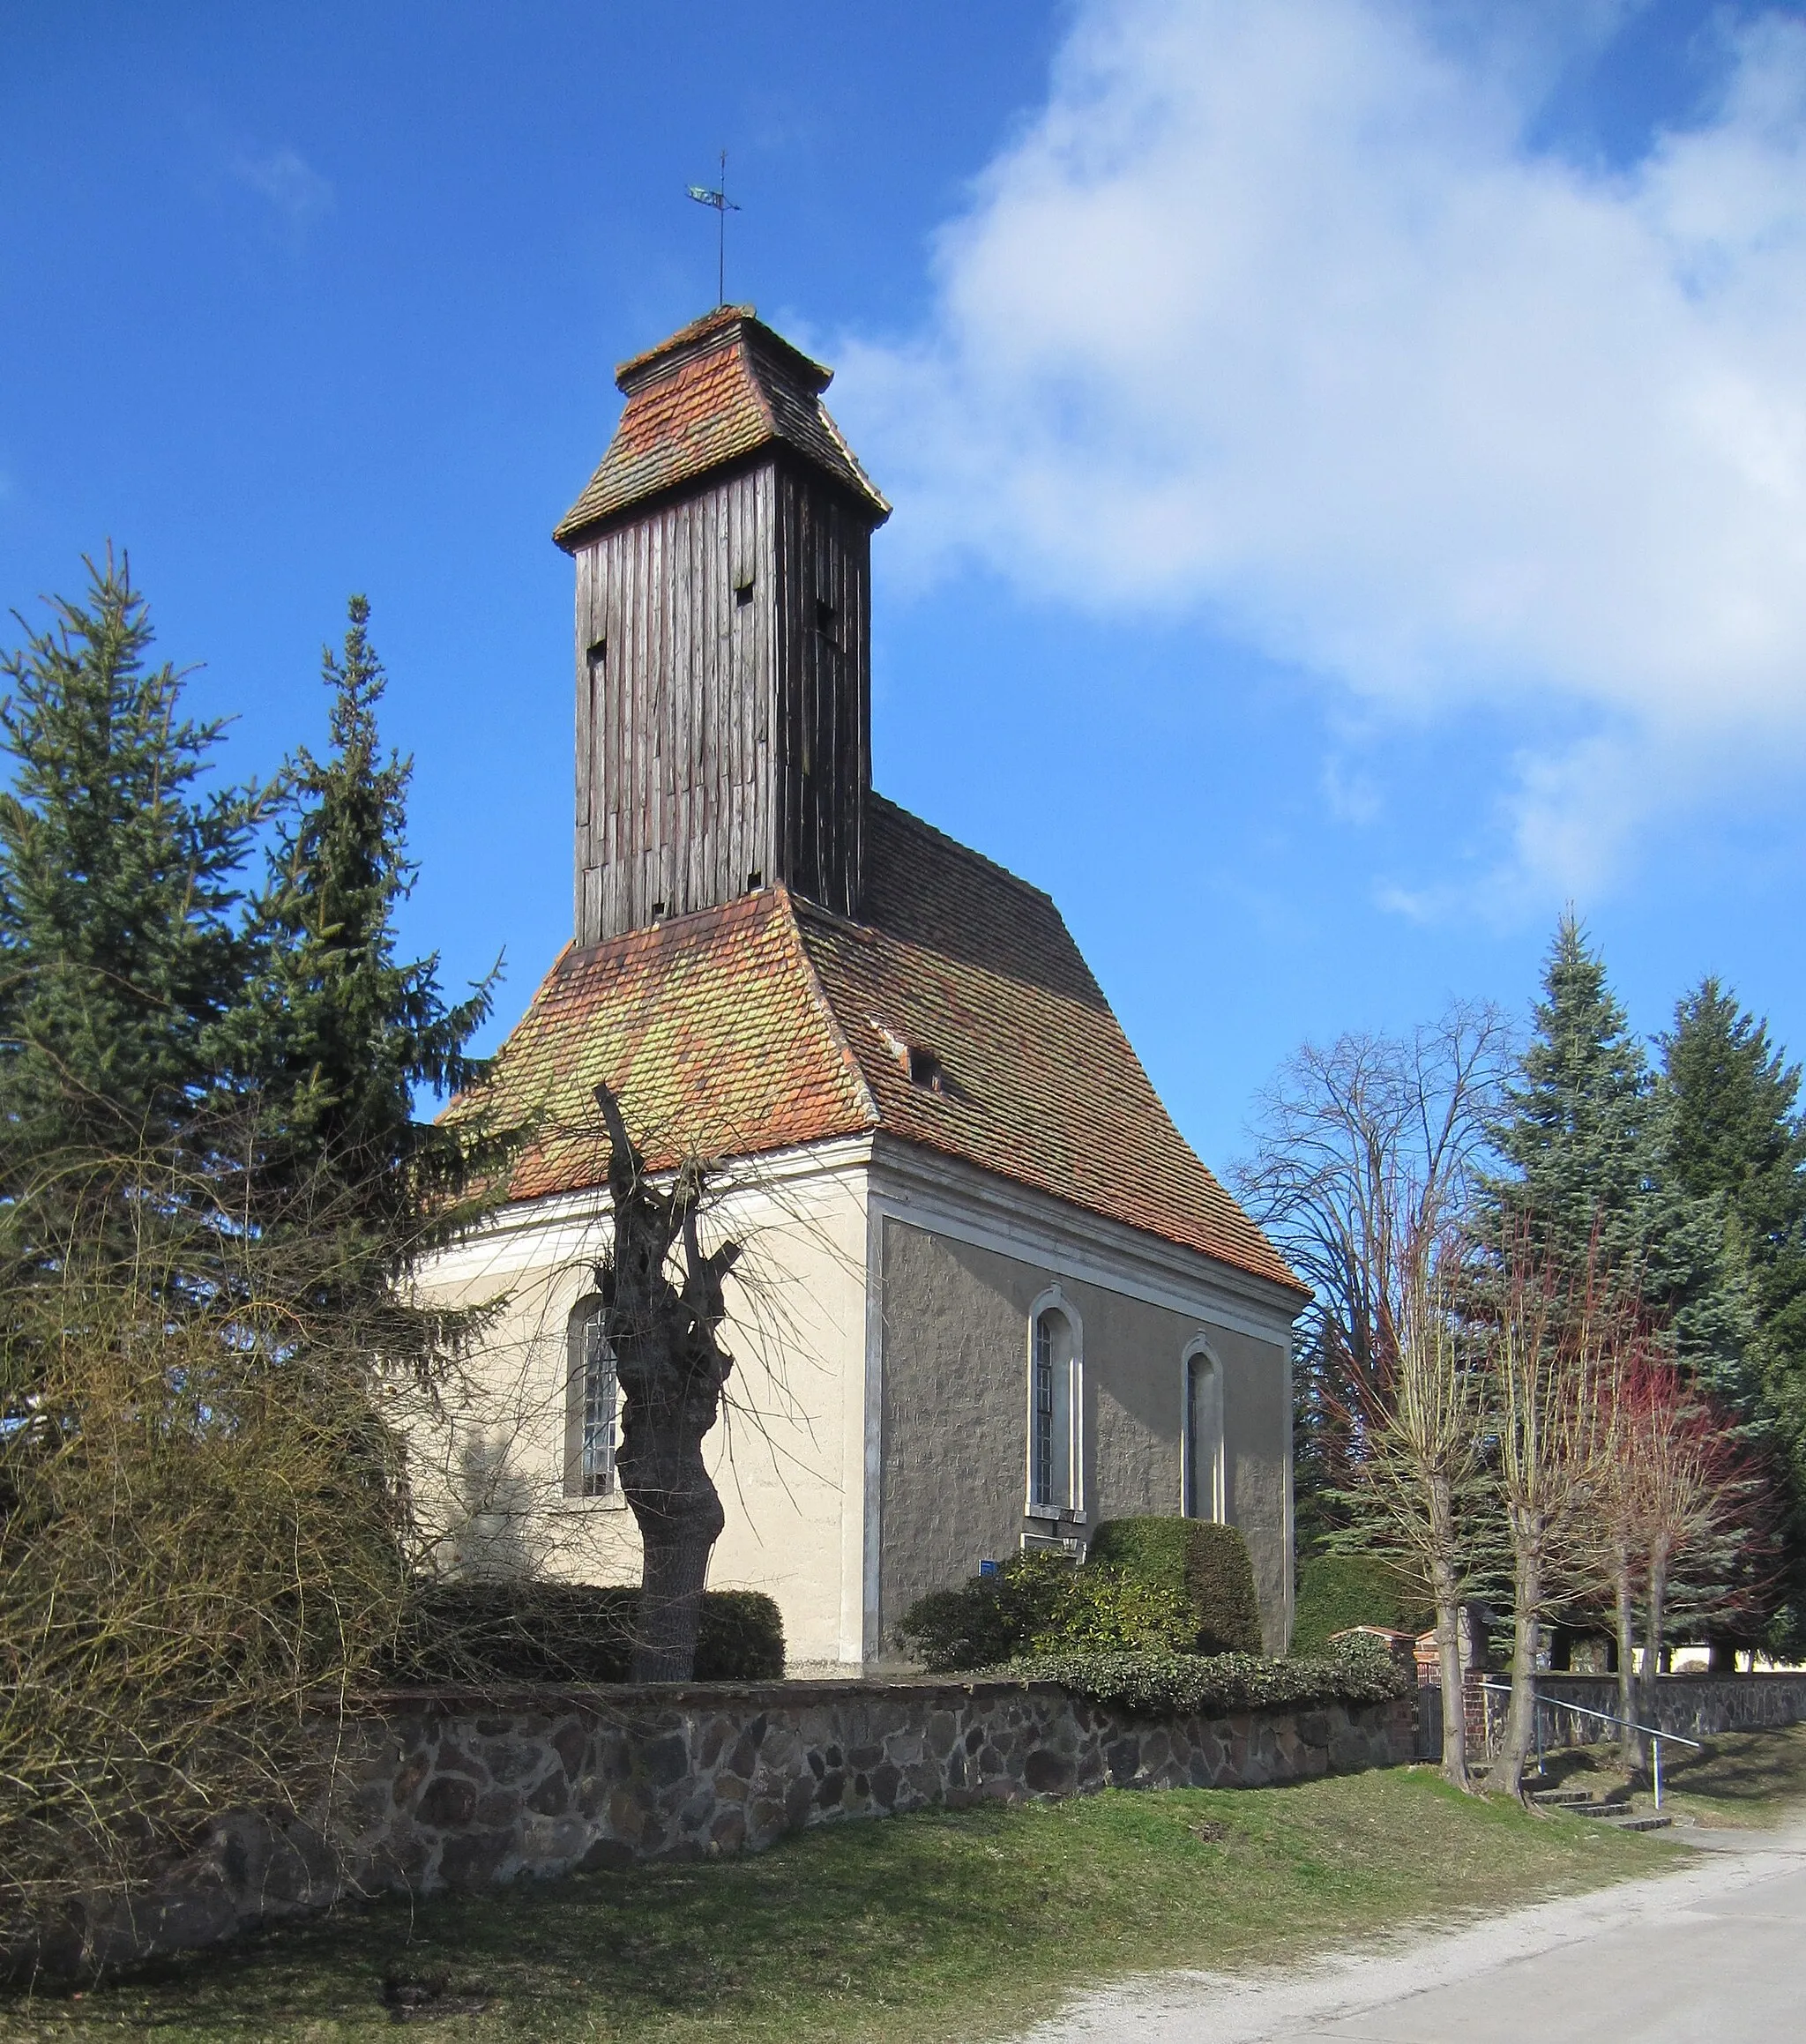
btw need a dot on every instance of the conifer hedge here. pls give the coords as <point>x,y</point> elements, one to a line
<point>1205,1564</point>
<point>1355,1671</point>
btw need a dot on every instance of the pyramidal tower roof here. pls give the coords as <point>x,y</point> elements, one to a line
<point>717,390</point>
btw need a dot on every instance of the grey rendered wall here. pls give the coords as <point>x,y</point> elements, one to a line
<point>955,1351</point>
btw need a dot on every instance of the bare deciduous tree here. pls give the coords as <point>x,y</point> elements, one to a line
<point>1359,1145</point>
<point>1364,1172</point>
<point>1548,1421</point>
<point>1418,1478</point>
<point>1678,1490</point>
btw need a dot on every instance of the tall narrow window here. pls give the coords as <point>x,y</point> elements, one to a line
<point>592,1407</point>
<point>1204,1437</point>
<point>1052,1474</point>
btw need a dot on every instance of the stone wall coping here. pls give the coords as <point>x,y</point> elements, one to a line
<point>632,1696</point>
<point>619,1697</point>
<point>1690,1674</point>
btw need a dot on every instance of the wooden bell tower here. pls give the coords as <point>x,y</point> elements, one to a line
<point>723,555</point>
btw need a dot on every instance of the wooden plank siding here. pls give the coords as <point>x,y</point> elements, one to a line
<point>716,738</point>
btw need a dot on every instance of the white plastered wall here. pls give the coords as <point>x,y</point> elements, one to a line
<point>788,1454</point>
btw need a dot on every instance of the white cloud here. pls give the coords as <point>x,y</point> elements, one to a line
<point>290,182</point>
<point>1273,311</point>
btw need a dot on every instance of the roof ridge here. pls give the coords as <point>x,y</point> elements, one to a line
<point>743,908</point>
<point>867,1099</point>
<point>756,371</point>
<point>967,851</point>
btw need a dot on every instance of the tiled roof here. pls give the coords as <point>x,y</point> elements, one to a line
<point>771,1023</point>
<point>722,387</point>
<point>712,1030</point>
<point>964,961</point>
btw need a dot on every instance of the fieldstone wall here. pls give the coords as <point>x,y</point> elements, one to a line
<point>455,1790</point>
<point>1693,1705</point>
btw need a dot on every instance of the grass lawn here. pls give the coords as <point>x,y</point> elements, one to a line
<point>1742,1781</point>
<point>938,1925</point>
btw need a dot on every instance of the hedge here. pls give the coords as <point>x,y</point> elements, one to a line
<point>482,1632</point>
<point>1338,1591</point>
<point>1356,1671</point>
<point>1204,1563</point>
<point>1043,1603</point>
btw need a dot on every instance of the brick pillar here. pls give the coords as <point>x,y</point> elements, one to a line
<point>1474,1700</point>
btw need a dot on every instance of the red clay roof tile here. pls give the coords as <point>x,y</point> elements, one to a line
<point>723,387</point>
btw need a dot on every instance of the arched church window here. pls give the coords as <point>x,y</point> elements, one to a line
<point>1053,1439</point>
<point>1204,1435</point>
<point>593,1400</point>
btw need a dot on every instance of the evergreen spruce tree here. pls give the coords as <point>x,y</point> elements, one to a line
<point>1587,1131</point>
<point>1734,1135</point>
<point>339,1031</point>
<point>1576,1127</point>
<point>121,948</point>
<point>1735,1131</point>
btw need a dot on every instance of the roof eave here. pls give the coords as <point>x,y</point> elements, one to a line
<point>572,531</point>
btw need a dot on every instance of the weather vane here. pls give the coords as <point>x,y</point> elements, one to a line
<point>723,206</point>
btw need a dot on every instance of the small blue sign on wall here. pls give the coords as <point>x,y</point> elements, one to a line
<point>987,1567</point>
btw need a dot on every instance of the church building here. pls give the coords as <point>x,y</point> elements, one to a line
<point>989,1296</point>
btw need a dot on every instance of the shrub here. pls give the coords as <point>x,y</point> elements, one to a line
<point>1100,1611</point>
<point>1336,1591</point>
<point>482,1632</point>
<point>1356,1671</point>
<point>989,1618</point>
<point>1204,1563</point>
<point>741,1638</point>
<point>198,1537</point>
<point>1043,1603</point>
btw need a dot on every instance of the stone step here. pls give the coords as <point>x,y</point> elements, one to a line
<point>1652,1823</point>
<point>1560,1798</point>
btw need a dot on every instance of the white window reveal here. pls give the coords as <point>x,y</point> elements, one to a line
<point>1202,1378</point>
<point>1054,1438</point>
<point>592,1411</point>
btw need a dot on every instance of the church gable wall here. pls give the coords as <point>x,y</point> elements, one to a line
<point>956,1321</point>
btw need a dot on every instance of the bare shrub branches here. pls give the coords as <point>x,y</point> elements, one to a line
<point>203,1532</point>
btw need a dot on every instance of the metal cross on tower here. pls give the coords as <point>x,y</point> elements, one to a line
<point>723,206</point>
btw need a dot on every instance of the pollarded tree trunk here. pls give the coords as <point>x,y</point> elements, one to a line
<point>671,1367</point>
<point>1445,1588</point>
<point>1520,1723</point>
<point>674,1503</point>
<point>1654,1629</point>
<point>1629,1701</point>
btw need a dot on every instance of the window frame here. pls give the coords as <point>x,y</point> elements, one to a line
<point>1199,1358</point>
<point>582,1485</point>
<point>1071,1506</point>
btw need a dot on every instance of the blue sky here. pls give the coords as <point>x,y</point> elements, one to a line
<point>1350,458</point>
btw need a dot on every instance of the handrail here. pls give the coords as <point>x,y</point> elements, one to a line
<point>1605,1718</point>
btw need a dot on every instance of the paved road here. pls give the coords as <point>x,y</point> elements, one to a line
<point>1713,1954</point>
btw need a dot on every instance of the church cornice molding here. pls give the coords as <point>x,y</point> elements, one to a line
<point>925,1188</point>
